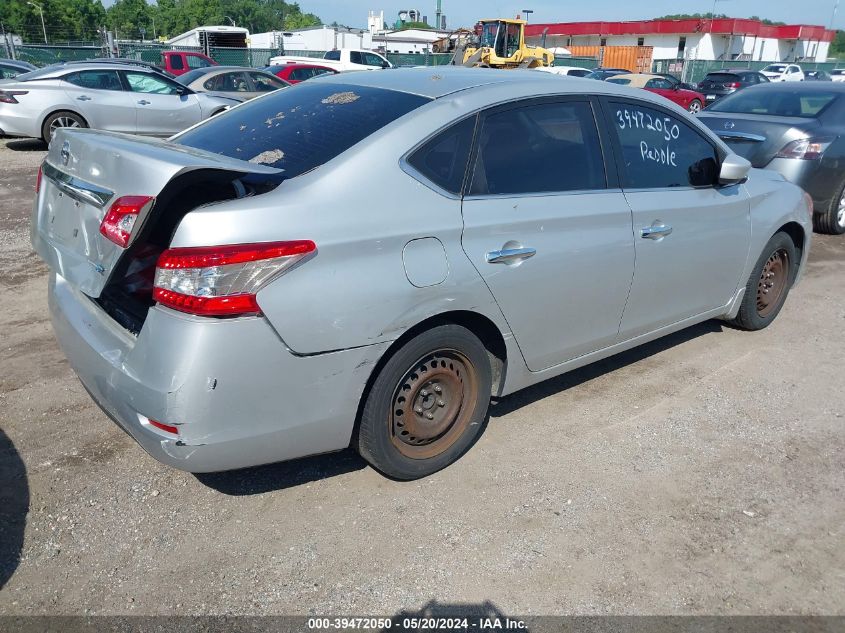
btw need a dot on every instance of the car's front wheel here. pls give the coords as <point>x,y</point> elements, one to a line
<point>832,219</point>
<point>769,283</point>
<point>427,405</point>
<point>59,120</point>
<point>694,106</point>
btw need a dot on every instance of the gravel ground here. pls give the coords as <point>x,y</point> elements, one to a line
<point>701,474</point>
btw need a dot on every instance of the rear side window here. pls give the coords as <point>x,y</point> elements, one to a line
<point>176,62</point>
<point>355,57</point>
<point>332,55</point>
<point>443,159</point>
<point>96,80</point>
<point>197,62</point>
<point>298,130</point>
<point>659,150</point>
<point>548,147</point>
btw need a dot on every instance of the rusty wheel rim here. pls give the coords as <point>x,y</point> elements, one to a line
<point>772,283</point>
<point>433,404</point>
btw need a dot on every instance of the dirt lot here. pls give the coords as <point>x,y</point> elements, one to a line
<point>704,473</point>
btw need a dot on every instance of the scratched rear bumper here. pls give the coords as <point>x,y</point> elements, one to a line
<point>237,395</point>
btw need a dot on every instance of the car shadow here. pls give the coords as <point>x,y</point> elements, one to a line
<point>508,404</point>
<point>282,475</point>
<point>480,616</point>
<point>14,506</point>
<point>27,145</point>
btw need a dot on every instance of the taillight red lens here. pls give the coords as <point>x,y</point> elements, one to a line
<point>8,96</point>
<point>734,84</point>
<point>165,427</point>
<point>38,180</point>
<point>121,217</point>
<point>223,280</point>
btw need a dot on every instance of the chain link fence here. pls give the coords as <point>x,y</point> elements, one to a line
<point>693,71</point>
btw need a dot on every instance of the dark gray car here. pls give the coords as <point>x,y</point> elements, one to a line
<point>796,129</point>
<point>724,82</point>
<point>11,68</point>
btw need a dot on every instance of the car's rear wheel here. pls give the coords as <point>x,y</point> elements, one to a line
<point>59,120</point>
<point>769,283</point>
<point>427,405</point>
<point>832,219</point>
<point>694,106</point>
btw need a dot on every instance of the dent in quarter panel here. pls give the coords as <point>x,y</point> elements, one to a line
<point>425,262</point>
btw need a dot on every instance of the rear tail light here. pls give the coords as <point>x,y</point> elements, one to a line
<point>38,180</point>
<point>8,96</point>
<point>167,428</point>
<point>223,280</point>
<point>120,220</point>
<point>805,148</point>
<point>733,84</point>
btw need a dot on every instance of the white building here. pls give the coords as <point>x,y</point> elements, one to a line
<point>692,39</point>
<point>408,41</point>
<point>212,37</point>
<point>317,38</point>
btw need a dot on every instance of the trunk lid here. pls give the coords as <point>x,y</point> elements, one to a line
<point>757,138</point>
<point>84,172</point>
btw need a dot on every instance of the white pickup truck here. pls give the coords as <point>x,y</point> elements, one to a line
<point>342,59</point>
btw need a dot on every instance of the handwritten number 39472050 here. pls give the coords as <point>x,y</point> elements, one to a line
<point>637,119</point>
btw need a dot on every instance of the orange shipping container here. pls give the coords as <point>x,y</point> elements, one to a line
<point>634,58</point>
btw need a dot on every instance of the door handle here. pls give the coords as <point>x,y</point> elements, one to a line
<point>83,98</point>
<point>655,231</point>
<point>143,102</point>
<point>509,255</point>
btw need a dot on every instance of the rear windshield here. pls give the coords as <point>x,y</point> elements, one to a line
<point>786,102</point>
<point>303,127</point>
<point>775,68</point>
<point>191,76</point>
<point>721,77</point>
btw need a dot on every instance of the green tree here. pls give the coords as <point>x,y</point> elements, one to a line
<point>127,17</point>
<point>64,20</point>
<point>837,46</point>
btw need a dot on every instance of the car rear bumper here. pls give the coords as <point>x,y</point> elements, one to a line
<point>236,394</point>
<point>15,121</point>
<point>814,177</point>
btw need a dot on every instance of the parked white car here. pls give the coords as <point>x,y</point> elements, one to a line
<point>783,72</point>
<point>838,74</point>
<point>342,59</point>
<point>570,71</point>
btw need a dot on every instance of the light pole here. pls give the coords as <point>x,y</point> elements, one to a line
<point>712,19</point>
<point>41,11</point>
<point>527,12</point>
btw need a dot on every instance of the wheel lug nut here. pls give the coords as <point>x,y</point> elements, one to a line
<point>429,416</point>
<point>438,389</point>
<point>418,409</point>
<point>423,393</point>
<point>440,403</point>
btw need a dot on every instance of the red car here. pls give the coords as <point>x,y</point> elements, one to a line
<point>687,99</point>
<point>294,73</point>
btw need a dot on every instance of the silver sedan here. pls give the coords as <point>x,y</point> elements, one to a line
<point>101,95</point>
<point>366,259</point>
<point>235,82</point>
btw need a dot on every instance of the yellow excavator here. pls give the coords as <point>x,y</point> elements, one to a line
<point>501,44</point>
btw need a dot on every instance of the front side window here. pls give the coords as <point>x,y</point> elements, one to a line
<point>150,84</point>
<point>659,150</point>
<point>96,80</point>
<point>332,55</point>
<point>176,62</point>
<point>660,84</point>
<point>548,147</point>
<point>198,62</point>
<point>266,83</point>
<point>443,159</point>
<point>227,82</point>
<point>373,60</point>
<point>356,58</point>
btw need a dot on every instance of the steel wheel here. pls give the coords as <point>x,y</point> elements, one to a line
<point>773,281</point>
<point>433,404</point>
<point>840,213</point>
<point>695,107</point>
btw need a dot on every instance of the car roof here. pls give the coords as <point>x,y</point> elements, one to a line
<point>441,81</point>
<point>638,80</point>
<point>58,70</point>
<point>802,88</point>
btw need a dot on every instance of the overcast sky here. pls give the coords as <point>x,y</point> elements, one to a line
<point>467,12</point>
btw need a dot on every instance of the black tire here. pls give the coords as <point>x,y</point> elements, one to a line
<point>765,295</point>
<point>402,404</point>
<point>60,119</point>
<point>832,219</point>
<point>695,106</point>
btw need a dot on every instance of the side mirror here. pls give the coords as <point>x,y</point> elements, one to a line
<point>734,170</point>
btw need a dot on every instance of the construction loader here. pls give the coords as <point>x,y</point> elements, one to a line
<point>501,44</point>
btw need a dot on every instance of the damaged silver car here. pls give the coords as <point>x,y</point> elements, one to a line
<point>365,260</point>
